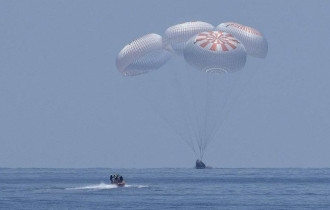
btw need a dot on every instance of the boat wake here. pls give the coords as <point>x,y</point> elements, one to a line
<point>103,186</point>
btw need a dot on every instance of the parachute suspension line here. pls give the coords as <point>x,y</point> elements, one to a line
<point>209,95</point>
<point>231,83</point>
<point>194,106</point>
<point>204,113</point>
<point>223,106</point>
<point>208,101</point>
<point>183,137</point>
<point>205,107</point>
<point>236,97</point>
<point>142,86</point>
<point>238,80</point>
<point>187,115</point>
<point>219,107</point>
<point>200,114</point>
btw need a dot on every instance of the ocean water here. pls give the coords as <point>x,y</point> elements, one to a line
<point>165,189</point>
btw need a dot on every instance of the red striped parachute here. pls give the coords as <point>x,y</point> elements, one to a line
<point>254,42</point>
<point>205,96</point>
<point>215,51</point>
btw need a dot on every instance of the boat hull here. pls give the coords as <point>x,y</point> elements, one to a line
<point>121,184</point>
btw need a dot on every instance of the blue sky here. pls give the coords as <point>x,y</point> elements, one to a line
<point>63,103</point>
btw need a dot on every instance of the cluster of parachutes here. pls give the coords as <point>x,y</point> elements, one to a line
<point>208,48</point>
<point>221,49</point>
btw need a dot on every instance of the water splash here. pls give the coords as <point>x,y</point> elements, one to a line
<point>103,186</point>
<point>136,186</point>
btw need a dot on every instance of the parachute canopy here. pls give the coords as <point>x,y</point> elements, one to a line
<point>254,42</point>
<point>215,51</point>
<point>142,55</point>
<point>176,36</point>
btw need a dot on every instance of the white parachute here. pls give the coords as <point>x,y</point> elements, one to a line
<point>204,96</point>
<point>175,37</point>
<point>254,42</point>
<point>142,55</point>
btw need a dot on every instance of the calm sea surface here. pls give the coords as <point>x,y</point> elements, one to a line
<point>165,189</point>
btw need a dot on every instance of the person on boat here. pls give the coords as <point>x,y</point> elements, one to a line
<point>115,179</point>
<point>112,178</point>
